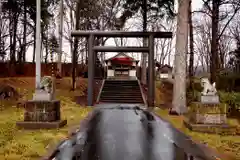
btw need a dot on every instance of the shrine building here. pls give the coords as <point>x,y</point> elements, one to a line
<point>121,66</point>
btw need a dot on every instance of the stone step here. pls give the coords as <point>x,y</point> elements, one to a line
<point>121,97</point>
<point>124,87</point>
<point>116,90</point>
<point>121,94</point>
<point>129,91</point>
<point>124,91</point>
<point>122,101</point>
<point>120,91</point>
<point>123,80</point>
<point>120,85</point>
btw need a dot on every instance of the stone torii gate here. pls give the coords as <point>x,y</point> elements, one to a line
<point>93,50</point>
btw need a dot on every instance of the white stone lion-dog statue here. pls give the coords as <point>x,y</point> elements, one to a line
<point>46,84</point>
<point>208,88</point>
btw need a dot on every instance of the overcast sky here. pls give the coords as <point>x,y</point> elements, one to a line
<point>196,4</point>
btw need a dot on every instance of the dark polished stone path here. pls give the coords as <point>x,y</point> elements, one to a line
<point>128,133</point>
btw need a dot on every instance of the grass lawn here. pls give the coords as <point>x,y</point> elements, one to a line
<point>229,145</point>
<point>16,144</point>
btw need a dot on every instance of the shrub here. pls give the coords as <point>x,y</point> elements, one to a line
<point>197,86</point>
<point>193,95</point>
<point>228,82</point>
<point>232,99</point>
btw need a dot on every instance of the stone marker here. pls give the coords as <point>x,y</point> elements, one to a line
<point>43,112</point>
<point>210,99</point>
<point>208,115</point>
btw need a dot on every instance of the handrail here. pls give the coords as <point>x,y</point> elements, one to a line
<point>99,94</point>
<point>142,93</point>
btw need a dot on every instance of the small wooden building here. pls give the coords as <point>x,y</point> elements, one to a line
<point>121,66</point>
<point>164,71</point>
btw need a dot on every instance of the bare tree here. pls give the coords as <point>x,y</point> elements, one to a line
<point>3,37</point>
<point>234,28</point>
<point>89,19</point>
<point>179,98</point>
<point>203,42</point>
<point>217,11</point>
<point>225,46</point>
<point>191,46</point>
<point>203,29</point>
<point>164,47</point>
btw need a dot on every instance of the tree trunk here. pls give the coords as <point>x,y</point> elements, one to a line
<point>15,20</point>
<point>22,52</point>
<point>191,58</point>
<point>12,56</point>
<point>34,44</point>
<point>75,48</point>
<point>71,42</point>
<point>59,64</point>
<point>1,43</point>
<point>86,52</point>
<point>214,43</point>
<point>103,53</point>
<point>46,47</point>
<point>179,89</point>
<point>24,32</point>
<point>82,53</point>
<point>144,55</point>
<point>41,47</point>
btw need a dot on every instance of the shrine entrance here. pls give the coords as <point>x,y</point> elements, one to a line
<point>92,50</point>
<point>121,73</point>
<point>121,66</point>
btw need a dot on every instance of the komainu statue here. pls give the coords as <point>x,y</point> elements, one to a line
<point>208,88</point>
<point>46,84</point>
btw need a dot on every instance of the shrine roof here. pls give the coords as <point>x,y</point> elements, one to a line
<point>122,55</point>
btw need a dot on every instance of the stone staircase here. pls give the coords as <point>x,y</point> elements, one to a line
<point>121,91</point>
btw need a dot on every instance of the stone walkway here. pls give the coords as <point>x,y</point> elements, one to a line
<point>126,132</point>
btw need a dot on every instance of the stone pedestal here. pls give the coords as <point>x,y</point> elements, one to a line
<point>208,118</point>
<point>208,113</point>
<point>41,95</point>
<point>42,115</point>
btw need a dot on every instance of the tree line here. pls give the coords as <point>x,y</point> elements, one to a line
<point>212,29</point>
